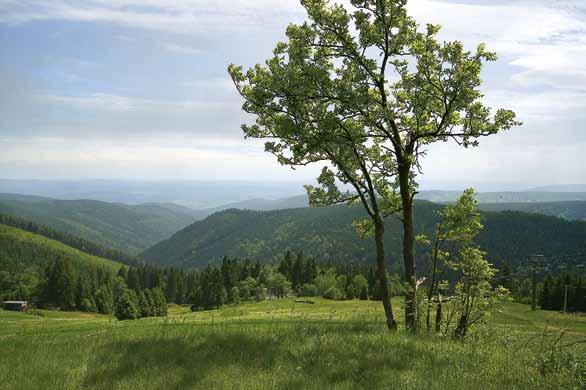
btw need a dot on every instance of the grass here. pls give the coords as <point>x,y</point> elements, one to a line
<point>286,345</point>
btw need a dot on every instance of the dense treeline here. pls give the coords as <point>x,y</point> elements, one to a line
<point>24,255</point>
<point>235,281</point>
<point>70,240</point>
<point>555,288</point>
<point>326,233</point>
<point>99,290</point>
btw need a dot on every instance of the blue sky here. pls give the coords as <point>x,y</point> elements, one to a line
<point>139,89</point>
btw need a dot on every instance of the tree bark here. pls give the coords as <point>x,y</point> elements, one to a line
<point>379,231</point>
<point>408,248</point>
<point>438,313</point>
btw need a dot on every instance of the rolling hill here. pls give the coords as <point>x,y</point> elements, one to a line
<point>327,233</point>
<point>20,249</point>
<point>130,228</point>
<point>571,210</point>
<point>489,201</point>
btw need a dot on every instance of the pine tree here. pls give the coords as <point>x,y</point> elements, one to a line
<point>133,279</point>
<point>59,288</point>
<point>286,265</point>
<point>171,290</point>
<point>159,301</point>
<point>144,305</point>
<point>104,300</point>
<point>126,306</point>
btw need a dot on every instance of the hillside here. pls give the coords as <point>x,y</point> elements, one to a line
<point>529,202</point>
<point>571,210</point>
<point>130,228</point>
<point>327,233</point>
<point>20,250</point>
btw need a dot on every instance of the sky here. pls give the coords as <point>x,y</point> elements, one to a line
<point>129,89</point>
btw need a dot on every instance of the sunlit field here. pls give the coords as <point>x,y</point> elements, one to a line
<point>284,344</point>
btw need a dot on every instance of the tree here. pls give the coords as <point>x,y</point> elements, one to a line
<point>83,297</point>
<point>126,306</point>
<point>104,300</point>
<point>160,303</point>
<point>360,286</point>
<point>278,285</point>
<point>144,306</point>
<point>366,91</point>
<point>171,287</point>
<point>473,294</point>
<point>286,264</point>
<point>60,287</point>
<point>457,226</point>
<point>454,250</point>
<point>235,294</point>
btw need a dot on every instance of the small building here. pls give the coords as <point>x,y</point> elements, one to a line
<point>15,305</point>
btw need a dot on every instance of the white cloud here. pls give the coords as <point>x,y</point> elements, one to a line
<point>545,41</point>
<point>181,16</point>
<point>541,74</point>
<point>159,157</point>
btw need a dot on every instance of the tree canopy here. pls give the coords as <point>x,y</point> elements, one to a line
<point>365,91</point>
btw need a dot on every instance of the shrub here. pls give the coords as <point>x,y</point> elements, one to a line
<point>333,293</point>
<point>308,290</point>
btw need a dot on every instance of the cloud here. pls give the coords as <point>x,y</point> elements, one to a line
<point>181,49</point>
<point>152,158</point>
<point>181,110</point>
<point>543,40</point>
<point>180,16</point>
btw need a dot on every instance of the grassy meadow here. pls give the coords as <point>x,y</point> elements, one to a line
<point>286,345</point>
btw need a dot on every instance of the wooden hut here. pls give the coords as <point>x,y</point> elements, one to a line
<point>15,305</point>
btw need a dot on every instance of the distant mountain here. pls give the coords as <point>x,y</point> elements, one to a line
<point>571,210</point>
<point>327,233</point>
<point>20,250</point>
<point>130,228</point>
<point>497,201</point>
<point>505,197</point>
<point>193,194</point>
<point>560,188</point>
<point>293,202</point>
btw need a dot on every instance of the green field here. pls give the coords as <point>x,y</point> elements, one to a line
<point>283,344</point>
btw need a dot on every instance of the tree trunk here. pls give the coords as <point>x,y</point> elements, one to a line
<point>408,249</point>
<point>379,230</point>
<point>462,327</point>
<point>438,314</point>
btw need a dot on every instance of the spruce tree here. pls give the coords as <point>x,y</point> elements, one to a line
<point>126,306</point>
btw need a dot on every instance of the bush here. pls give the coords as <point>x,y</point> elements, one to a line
<point>333,293</point>
<point>308,290</point>
<point>350,291</point>
<point>235,293</point>
<point>364,293</point>
<point>88,305</point>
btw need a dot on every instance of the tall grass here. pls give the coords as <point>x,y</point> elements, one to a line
<point>281,345</point>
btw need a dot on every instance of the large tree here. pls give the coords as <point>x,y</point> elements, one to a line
<point>366,91</point>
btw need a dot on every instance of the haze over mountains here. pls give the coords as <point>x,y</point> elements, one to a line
<point>217,195</point>
<point>193,194</point>
<point>164,230</point>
